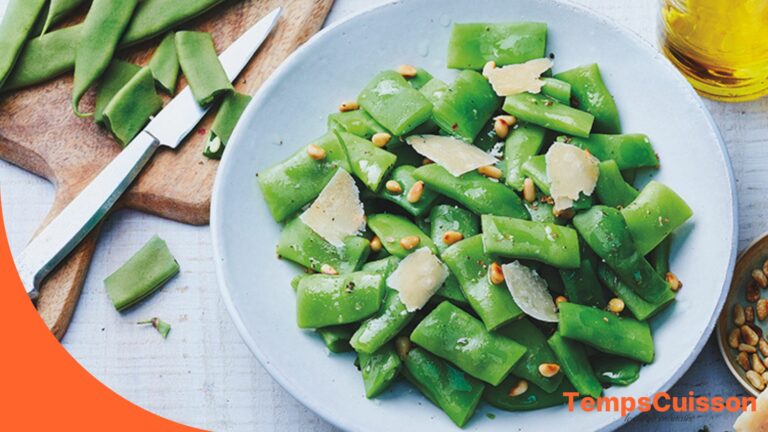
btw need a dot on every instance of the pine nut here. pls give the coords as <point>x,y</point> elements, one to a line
<point>561,299</point>
<point>756,380</point>
<point>417,190</point>
<point>765,376</point>
<point>501,128</point>
<point>315,152</point>
<point>749,314</point>
<point>488,67</point>
<point>758,331</point>
<point>394,187</point>
<point>518,389</point>
<point>568,213</point>
<point>381,139</point>
<point>734,338</point>
<point>496,274</point>
<point>616,305</point>
<point>510,120</point>
<point>752,292</point>
<point>451,237</point>
<point>376,244</point>
<point>757,364</point>
<point>765,267</point>
<point>402,347</point>
<point>410,242</point>
<point>763,346</point>
<point>673,281</point>
<point>490,171</point>
<point>327,269</point>
<point>349,106</point>
<point>747,348</point>
<point>548,370</point>
<point>762,309</point>
<point>748,335</point>
<point>407,71</point>
<point>760,278</point>
<point>738,314</point>
<point>743,360</point>
<point>529,190</point>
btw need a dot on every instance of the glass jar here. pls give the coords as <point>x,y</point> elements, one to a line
<point>721,46</point>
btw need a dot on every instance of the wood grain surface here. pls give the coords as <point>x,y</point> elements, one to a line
<point>39,133</point>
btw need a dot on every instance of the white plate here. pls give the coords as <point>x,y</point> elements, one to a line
<point>290,111</point>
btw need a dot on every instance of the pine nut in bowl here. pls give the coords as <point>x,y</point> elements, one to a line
<point>743,324</point>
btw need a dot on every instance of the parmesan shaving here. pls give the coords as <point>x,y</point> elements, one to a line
<point>754,419</point>
<point>571,171</point>
<point>337,212</point>
<point>530,292</point>
<point>453,154</point>
<point>519,78</point>
<point>417,278</point>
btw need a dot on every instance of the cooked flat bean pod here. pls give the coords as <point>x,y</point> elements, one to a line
<point>557,90</point>
<point>391,229</point>
<point>403,175</point>
<point>516,238</point>
<point>357,122</point>
<point>575,364</point>
<point>105,23</point>
<point>469,263</point>
<point>474,191</point>
<point>615,370</point>
<point>383,326</point>
<point>533,398</point>
<point>421,78</point>
<point>451,290</point>
<point>611,188</point>
<point>537,353</point>
<point>433,90</point>
<point>466,106</point>
<point>606,233</point>
<point>654,214</point>
<point>336,338</point>
<point>606,332</point>
<point>231,109</point>
<point>391,101</point>
<point>165,64</point>
<point>369,163</point>
<point>379,370</point>
<point>448,221</point>
<point>628,150</point>
<point>472,45</point>
<point>548,113</point>
<point>452,334</point>
<point>543,212</point>
<point>201,66</point>
<point>325,300</point>
<point>659,257</point>
<point>17,23</point>
<point>453,391</point>
<point>132,106</point>
<point>581,285</point>
<point>639,307</point>
<point>592,96</point>
<point>58,10</point>
<point>303,246</point>
<point>522,143</point>
<point>115,78</point>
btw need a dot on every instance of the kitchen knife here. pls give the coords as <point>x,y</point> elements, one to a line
<point>168,128</point>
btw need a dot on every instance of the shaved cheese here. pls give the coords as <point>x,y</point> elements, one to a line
<point>456,156</point>
<point>754,419</point>
<point>571,171</point>
<point>519,78</point>
<point>337,212</point>
<point>417,278</point>
<point>529,290</point>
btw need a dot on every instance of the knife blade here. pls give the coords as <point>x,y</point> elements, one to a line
<point>168,128</point>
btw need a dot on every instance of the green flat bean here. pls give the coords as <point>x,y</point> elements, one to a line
<point>403,175</point>
<point>606,233</point>
<point>581,285</point>
<point>132,106</point>
<point>606,332</point>
<point>379,370</point>
<point>17,23</point>
<point>522,143</point>
<point>391,101</point>
<point>474,191</point>
<point>548,113</point>
<point>357,122</point>
<point>654,214</point>
<point>165,64</point>
<point>232,107</point>
<point>628,150</point>
<point>532,399</point>
<point>446,218</point>
<point>303,246</point>
<point>466,106</point>
<point>369,163</point>
<point>611,188</point>
<point>537,352</point>
<point>115,78</point>
<point>155,17</point>
<point>592,96</point>
<point>616,370</point>
<point>575,364</point>
<point>58,10</point>
<point>392,228</point>
<point>336,338</point>
<point>469,263</point>
<point>557,89</point>
<point>453,391</point>
<point>433,90</point>
<point>104,24</point>
<point>421,78</point>
<point>383,326</point>
<point>143,274</point>
<point>659,257</point>
<point>640,308</point>
<point>541,211</point>
<point>325,300</point>
<point>458,337</point>
<point>516,238</point>
<point>201,66</point>
<point>472,45</point>
<point>451,290</point>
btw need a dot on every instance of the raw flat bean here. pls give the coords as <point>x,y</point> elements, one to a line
<point>201,66</point>
<point>155,17</point>
<point>533,399</point>
<point>17,24</point>
<point>548,113</point>
<point>379,370</point>
<point>403,175</point>
<point>453,391</point>
<point>58,10</point>
<point>165,64</point>
<point>611,188</point>
<point>472,45</point>
<point>231,109</point>
<point>469,263</point>
<point>369,163</point>
<point>446,218</point>
<point>458,337</point>
<point>615,370</point>
<point>391,101</point>
<point>593,96</point>
<point>575,364</point>
<point>105,23</point>
<point>336,338</point>
<point>516,238</point>
<point>324,300</point>
<point>300,244</point>
<point>114,79</point>
<point>466,106</point>
<point>639,307</point>
<point>557,90</point>
<point>522,143</point>
<point>537,352</point>
<point>629,150</point>
<point>654,214</point>
<point>606,332</point>
<point>143,274</point>
<point>392,228</point>
<point>132,106</point>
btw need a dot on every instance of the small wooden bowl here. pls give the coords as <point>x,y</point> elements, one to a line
<point>752,258</point>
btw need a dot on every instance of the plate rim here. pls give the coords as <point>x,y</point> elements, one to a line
<point>216,213</point>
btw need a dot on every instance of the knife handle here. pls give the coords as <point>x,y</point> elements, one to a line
<point>80,216</point>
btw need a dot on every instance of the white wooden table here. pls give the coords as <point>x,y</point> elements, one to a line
<point>203,375</point>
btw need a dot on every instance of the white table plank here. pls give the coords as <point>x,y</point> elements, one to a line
<point>204,375</point>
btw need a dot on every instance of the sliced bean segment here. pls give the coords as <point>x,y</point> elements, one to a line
<point>581,285</point>
<point>383,326</point>
<point>628,150</point>
<point>165,64</point>
<point>379,370</point>
<point>201,66</point>
<point>654,214</point>
<point>456,336</point>
<point>611,188</point>
<point>536,169</point>
<point>17,23</point>
<point>575,364</point>
<point>472,45</point>
<point>357,122</point>
<point>557,89</point>
<point>403,175</point>
<point>522,143</point>
<point>516,238</point>
<point>391,229</point>
<point>548,113</point>
<point>325,300</point>
<point>616,370</point>
<point>391,101</point>
<point>466,106</point>
<point>132,106</point>
<point>303,246</point>
<point>231,109</point>
<point>639,307</point>
<point>448,219</point>
<point>533,398</point>
<point>369,163</point>
<point>115,78</point>
<point>592,96</point>
<point>537,353</point>
<point>336,338</point>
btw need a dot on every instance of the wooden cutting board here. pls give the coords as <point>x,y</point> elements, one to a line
<point>39,133</point>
